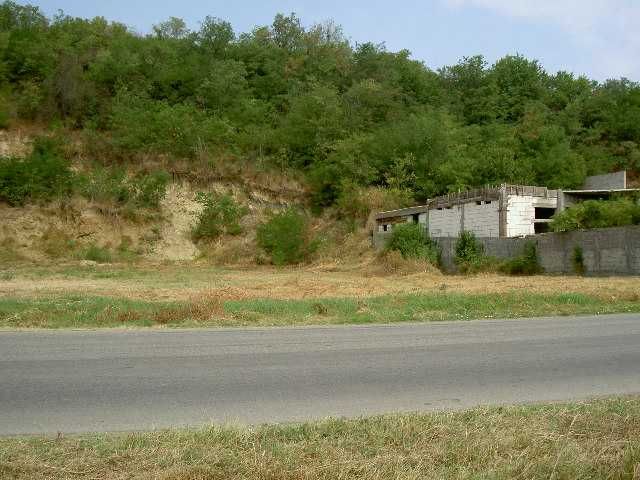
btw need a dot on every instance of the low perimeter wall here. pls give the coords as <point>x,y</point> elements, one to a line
<point>607,251</point>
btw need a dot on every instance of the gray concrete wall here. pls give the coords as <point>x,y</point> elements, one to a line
<point>607,251</point>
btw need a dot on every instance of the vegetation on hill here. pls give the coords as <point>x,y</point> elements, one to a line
<point>598,214</point>
<point>305,99</point>
<point>286,238</point>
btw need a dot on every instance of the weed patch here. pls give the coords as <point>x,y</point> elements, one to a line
<point>98,254</point>
<point>577,259</point>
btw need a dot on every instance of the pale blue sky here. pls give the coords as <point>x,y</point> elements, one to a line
<point>599,38</point>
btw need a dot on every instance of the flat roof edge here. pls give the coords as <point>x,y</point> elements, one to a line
<point>604,190</point>
<point>402,211</point>
<point>469,196</point>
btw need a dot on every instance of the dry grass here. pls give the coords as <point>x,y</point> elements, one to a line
<point>598,439</point>
<point>392,263</point>
<point>56,243</point>
<point>186,282</point>
<point>9,253</point>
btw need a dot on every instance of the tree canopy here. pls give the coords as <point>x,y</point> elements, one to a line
<point>305,98</point>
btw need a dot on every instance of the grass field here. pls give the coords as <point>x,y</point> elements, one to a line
<point>73,296</point>
<point>597,439</point>
<point>106,312</point>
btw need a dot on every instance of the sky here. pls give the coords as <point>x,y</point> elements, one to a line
<point>596,38</point>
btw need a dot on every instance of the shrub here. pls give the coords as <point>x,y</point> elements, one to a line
<point>577,259</point>
<point>41,176</point>
<point>98,254</point>
<point>105,185</point>
<point>30,100</point>
<point>411,241</point>
<point>5,118</point>
<point>113,186</point>
<point>151,189</point>
<point>140,124</point>
<point>285,238</point>
<point>597,214</point>
<point>525,264</point>
<point>221,214</point>
<point>469,253</point>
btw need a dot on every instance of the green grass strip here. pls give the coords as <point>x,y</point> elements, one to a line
<point>75,311</point>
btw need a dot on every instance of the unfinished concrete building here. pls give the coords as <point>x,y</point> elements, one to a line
<point>499,212</point>
<point>505,211</point>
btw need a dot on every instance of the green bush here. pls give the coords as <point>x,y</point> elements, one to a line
<point>469,253</point>
<point>412,241</point>
<point>105,185</point>
<point>151,189</point>
<point>41,176</point>
<point>577,259</point>
<point>286,239</point>
<point>30,100</point>
<point>5,118</point>
<point>221,214</point>
<point>597,214</point>
<point>525,264</point>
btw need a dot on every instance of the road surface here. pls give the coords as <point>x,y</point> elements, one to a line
<point>79,381</point>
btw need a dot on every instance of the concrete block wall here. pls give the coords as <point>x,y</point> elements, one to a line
<point>502,248</point>
<point>482,218</point>
<point>445,222</point>
<point>607,251</point>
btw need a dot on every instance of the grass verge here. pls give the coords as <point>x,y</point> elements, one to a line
<point>105,312</point>
<point>599,439</point>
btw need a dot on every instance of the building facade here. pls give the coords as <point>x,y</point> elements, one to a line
<point>505,211</point>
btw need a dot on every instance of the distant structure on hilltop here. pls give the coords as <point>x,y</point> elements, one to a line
<point>503,211</point>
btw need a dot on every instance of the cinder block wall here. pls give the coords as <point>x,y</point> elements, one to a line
<point>607,251</point>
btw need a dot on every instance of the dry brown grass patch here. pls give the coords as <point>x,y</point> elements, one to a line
<point>201,311</point>
<point>191,282</point>
<point>598,439</point>
<point>392,263</point>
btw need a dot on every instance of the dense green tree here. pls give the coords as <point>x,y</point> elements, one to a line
<point>290,96</point>
<point>473,91</point>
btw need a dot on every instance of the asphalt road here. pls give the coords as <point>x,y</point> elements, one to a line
<point>79,381</point>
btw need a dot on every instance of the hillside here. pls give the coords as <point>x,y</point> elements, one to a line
<point>108,135</point>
